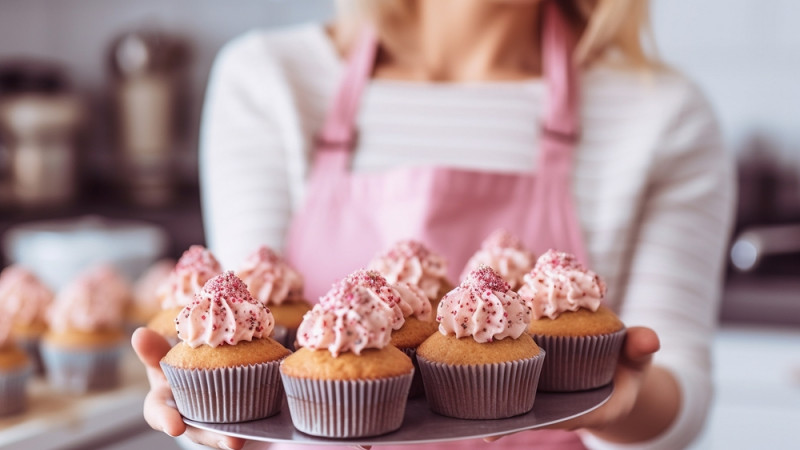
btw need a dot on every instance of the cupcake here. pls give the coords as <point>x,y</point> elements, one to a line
<point>481,364</point>
<point>82,349</point>
<point>411,262</point>
<point>145,302</point>
<point>411,312</point>
<point>506,255</point>
<point>225,369</point>
<point>347,380</point>
<point>15,369</point>
<point>194,268</point>
<point>25,300</point>
<point>582,337</point>
<point>274,283</point>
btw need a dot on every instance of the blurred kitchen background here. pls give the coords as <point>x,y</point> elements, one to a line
<point>100,102</point>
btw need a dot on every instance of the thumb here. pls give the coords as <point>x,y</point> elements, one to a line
<point>640,344</point>
<point>149,346</point>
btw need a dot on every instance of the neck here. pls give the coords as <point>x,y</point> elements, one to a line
<point>462,40</point>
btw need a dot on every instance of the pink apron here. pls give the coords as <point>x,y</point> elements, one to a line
<point>349,217</point>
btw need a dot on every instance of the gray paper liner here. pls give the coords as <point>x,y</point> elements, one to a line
<point>417,388</point>
<point>80,371</point>
<point>347,408</point>
<point>13,396</point>
<point>481,391</point>
<point>227,394</point>
<point>577,363</point>
<point>31,347</point>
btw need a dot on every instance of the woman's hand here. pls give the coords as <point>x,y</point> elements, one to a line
<point>159,407</point>
<point>645,398</point>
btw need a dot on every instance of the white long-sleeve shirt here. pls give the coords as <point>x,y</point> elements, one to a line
<point>653,186</point>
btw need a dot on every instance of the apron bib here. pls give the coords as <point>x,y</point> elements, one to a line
<point>349,217</point>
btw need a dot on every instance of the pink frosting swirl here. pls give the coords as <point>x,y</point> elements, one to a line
<point>269,278</point>
<point>145,291</point>
<point>559,283</point>
<point>23,296</point>
<point>94,301</point>
<point>411,262</point>
<point>504,253</point>
<point>223,312</point>
<point>484,307</point>
<point>359,312</point>
<point>194,268</point>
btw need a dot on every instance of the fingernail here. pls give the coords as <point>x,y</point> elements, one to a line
<point>168,433</point>
<point>223,445</point>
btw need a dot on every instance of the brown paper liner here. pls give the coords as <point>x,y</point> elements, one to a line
<point>347,408</point>
<point>227,394</point>
<point>13,396</point>
<point>490,391</point>
<point>417,387</point>
<point>578,363</point>
<point>78,371</point>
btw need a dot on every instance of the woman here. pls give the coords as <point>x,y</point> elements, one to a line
<point>469,117</point>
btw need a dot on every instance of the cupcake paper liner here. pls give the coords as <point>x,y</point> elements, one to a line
<point>578,363</point>
<point>417,387</point>
<point>79,371</point>
<point>31,347</point>
<point>227,394</point>
<point>13,396</point>
<point>347,408</point>
<point>487,391</point>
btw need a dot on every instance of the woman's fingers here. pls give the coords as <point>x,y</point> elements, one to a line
<point>640,344</point>
<point>160,415</point>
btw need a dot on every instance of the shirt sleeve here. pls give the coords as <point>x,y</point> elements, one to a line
<point>675,275</point>
<point>243,163</point>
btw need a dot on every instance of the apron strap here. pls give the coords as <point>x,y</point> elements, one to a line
<point>338,134</point>
<point>555,212</point>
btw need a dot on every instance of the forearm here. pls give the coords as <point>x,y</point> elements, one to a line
<point>654,410</point>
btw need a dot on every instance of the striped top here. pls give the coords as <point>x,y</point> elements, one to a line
<point>653,186</point>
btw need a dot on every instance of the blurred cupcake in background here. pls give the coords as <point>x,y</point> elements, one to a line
<point>225,369</point>
<point>506,255</point>
<point>412,316</point>
<point>481,364</point>
<point>582,336</point>
<point>15,369</point>
<point>145,302</point>
<point>274,283</point>
<point>82,349</point>
<point>412,262</point>
<point>344,364</point>
<point>25,299</point>
<point>195,267</point>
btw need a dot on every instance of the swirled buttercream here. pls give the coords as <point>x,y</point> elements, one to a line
<point>506,255</point>
<point>269,278</point>
<point>145,291</point>
<point>23,296</point>
<point>559,283</point>
<point>411,262</point>
<point>93,301</point>
<point>223,312</point>
<point>194,268</point>
<point>483,306</point>
<point>358,313</point>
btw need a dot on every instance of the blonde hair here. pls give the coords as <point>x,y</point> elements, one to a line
<point>616,31</point>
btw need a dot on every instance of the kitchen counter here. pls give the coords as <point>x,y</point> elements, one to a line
<point>56,420</point>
